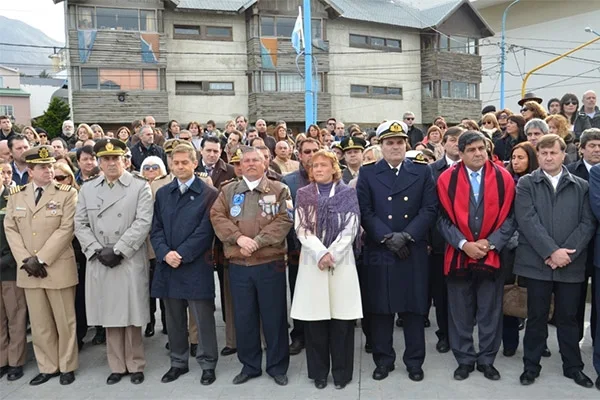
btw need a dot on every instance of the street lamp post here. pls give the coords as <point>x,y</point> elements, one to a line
<point>590,30</point>
<point>503,50</point>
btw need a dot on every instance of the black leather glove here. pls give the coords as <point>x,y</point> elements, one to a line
<point>395,241</point>
<point>403,253</point>
<point>108,257</point>
<point>34,267</point>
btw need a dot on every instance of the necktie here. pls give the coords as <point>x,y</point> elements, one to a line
<point>183,188</point>
<point>38,196</point>
<point>395,171</point>
<point>475,185</point>
<point>208,170</point>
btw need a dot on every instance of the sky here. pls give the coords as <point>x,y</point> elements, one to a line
<point>42,14</point>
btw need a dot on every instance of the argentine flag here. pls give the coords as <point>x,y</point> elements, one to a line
<point>298,33</point>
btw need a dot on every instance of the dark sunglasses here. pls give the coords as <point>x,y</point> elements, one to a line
<point>43,135</point>
<point>308,151</point>
<point>60,178</point>
<point>151,167</point>
<point>570,103</point>
<point>525,109</point>
<point>410,118</point>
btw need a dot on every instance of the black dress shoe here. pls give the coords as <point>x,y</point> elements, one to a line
<point>281,380</point>
<point>242,378</point>
<point>598,383</point>
<point>227,351</point>
<point>173,373</point>
<point>193,349</point>
<point>100,336</point>
<point>427,323</point>
<point>528,377</point>
<point>489,371</point>
<point>43,378</point>
<point>114,378</point>
<point>416,374</point>
<point>137,378</point>
<point>546,352</point>
<point>320,383</point>
<point>509,352</point>
<point>581,379</point>
<point>382,372</point>
<point>14,373</point>
<point>462,372</point>
<point>208,377</point>
<point>4,370</point>
<point>442,346</point>
<point>341,385</point>
<point>399,322</point>
<point>149,332</point>
<point>67,378</point>
<point>296,347</point>
<point>368,348</point>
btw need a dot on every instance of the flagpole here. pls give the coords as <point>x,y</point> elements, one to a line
<point>309,103</point>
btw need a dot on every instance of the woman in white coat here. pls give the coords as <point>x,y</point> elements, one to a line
<point>327,294</point>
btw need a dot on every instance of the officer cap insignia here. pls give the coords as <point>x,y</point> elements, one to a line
<point>420,159</point>
<point>396,127</point>
<point>43,152</point>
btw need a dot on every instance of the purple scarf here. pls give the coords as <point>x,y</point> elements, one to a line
<point>324,216</point>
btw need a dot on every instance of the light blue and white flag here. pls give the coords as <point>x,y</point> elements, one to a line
<point>298,33</point>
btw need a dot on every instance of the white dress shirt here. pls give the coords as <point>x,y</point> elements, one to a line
<point>252,185</point>
<point>554,179</point>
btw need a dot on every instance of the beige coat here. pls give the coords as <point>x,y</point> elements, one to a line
<point>323,295</point>
<point>121,217</point>
<point>44,230</point>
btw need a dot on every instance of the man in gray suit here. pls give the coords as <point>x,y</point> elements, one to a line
<point>552,255</point>
<point>112,221</point>
<point>476,221</point>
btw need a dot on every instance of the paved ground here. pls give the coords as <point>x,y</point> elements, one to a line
<point>438,383</point>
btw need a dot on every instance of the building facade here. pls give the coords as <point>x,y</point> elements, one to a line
<point>194,60</point>
<point>14,101</point>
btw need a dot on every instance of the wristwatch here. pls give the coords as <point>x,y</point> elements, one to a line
<point>492,246</point>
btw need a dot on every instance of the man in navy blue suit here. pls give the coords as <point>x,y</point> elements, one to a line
<point>398,206</point>
<point>182,238</point>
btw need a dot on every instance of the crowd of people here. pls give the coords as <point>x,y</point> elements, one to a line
<point>361,225</point>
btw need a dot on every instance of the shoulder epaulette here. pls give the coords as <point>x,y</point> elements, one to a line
<point>64,188</point>
<point>227,182</point>
<point>91,178</point>
<point>419,159</point>
<point>15,189</point>
<point>201,174</point>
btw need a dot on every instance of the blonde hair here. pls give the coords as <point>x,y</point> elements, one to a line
<point>562,124</point>
<point>329,155</point>
<point>491,117</point>
<point>376,150</point>
<point>537,109</point>
<point>67,170</point>
<point>88,130</point>
<point>187,149</point>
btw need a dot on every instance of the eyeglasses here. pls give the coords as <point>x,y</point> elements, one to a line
<point>570,103</point>
<point>410,118</point>
<point>43,136</point>
<point>60,178</point>
<point>525,109</point>
<point>310,151</point>
<point>185,138</point>
<point>151,167</point>
<point>488,122</point>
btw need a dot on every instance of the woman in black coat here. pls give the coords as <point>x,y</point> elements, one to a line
<point>514,134</point>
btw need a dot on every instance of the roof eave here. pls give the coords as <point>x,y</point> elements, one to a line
<point>488,31</point>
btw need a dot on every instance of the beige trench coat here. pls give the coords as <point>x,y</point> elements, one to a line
<point>120,216</point>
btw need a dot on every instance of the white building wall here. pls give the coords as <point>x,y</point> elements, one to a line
<point>10,79</point>
<point>211,65</point>
<point>532,34</point>
<point>373,67</point>
<point>40,97</point>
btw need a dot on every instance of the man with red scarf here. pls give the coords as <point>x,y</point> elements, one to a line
<point>476,198</point>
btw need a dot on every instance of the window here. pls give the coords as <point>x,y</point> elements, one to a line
<point>197,32</point>
<point>7,109</point>
<point>219,32</point>
<point>121,19</point>
<point>459,44</point>
<point>375,91</point>
<point>269,82</point>
<point>85,18</point>
<point>203,88</point>
<point>372,42</point>
<point>427,90</point>
<point>282,27</point>
<point>290,82</point>
<point>460,90</point>
<point>119,79</point>
<point>359,89</point>
<point>287,82</point>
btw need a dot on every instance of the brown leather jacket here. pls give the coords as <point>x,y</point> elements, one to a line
<point>260,214</point>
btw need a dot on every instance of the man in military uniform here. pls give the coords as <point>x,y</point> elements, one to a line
<point>353,154</point>
<point>13,308</point>
<point>39,230</point>
<point>250,217</point>
<point>398,206</point>
<point>113,220</point>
